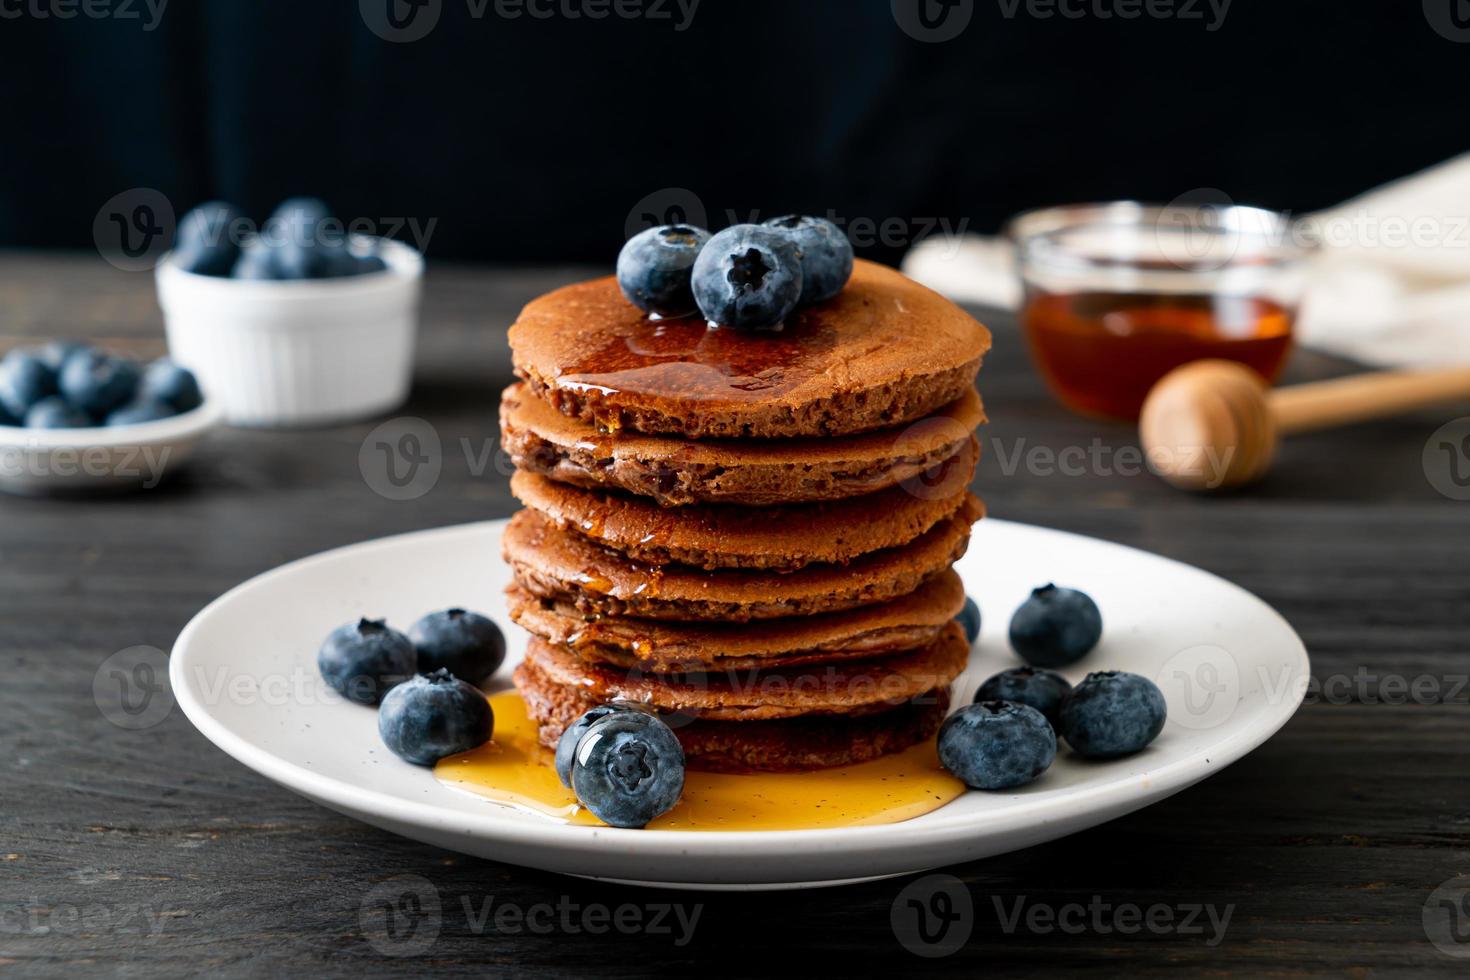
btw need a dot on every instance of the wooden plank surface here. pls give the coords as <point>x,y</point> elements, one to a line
<point>146,853</point>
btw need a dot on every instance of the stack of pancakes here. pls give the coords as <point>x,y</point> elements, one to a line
<point>751,532</point>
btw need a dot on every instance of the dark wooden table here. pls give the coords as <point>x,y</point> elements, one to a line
<point>149,852</point>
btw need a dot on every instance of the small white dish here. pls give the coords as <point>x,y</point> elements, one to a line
<point>244,671</point>
<point>297,352</point>
<point>100,458</point>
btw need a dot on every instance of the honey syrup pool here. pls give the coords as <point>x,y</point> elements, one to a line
<point>515,770</point>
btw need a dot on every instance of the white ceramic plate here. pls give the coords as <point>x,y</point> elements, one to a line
<point>244,672</point>
<point>100,458</point>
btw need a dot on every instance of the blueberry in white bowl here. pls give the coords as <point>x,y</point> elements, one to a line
<point>207,242</point>
<point>826,255</point>
<point>27,376</point>
<point>363,661</point>
<point>1043,690</point>
<point>996,744</point>
<point>1112,713</point>
<point>468,645</point>
<point>748,276</point>
<point>171,385</point>
<point>96,382</point>
<point>433,716</point>
<point>55,412</point>
<point>139,410</point>
<point>656,266</point>
<point>628,768</point>
<point>1055,627</point>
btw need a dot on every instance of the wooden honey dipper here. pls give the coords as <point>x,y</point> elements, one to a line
<point>1213,423</point>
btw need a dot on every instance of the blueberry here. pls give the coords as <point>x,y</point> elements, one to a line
<point>969,618</point>
<point>747,276</point>
<point>96,382</point>
<point>628,768</point>
<point>141,409</point>
<point>254,262</point>
<point>175,386</point>
<point>468,645</point>
<point>305,242</point>
<point>7,419</point>
<point>56,413</point>
<point>656,265</point>
<point>56,352</point>
<point>26,377</point>
<point>368,264</point>
<point>1112,713</point>
<point>1041,689</point>
<point>433,716</point>
<point>825,252</point>
<point>363,660</point>
<point>1055,627</point>
<point>207,241</point>
<point>566,746</point>
<point>996,744</point>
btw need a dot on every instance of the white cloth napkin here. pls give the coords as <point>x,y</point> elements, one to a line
<point>1389,287</point>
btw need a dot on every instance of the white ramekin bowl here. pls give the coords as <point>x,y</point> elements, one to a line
<point>300,352</point>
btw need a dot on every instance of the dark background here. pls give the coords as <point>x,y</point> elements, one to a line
<point>532,139</point>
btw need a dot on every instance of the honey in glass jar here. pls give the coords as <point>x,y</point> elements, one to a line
<point>1118,295</point>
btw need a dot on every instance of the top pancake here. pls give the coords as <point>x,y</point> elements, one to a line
<point>882,352</point>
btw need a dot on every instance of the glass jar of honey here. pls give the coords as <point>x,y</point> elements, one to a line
<point>1117,295</point>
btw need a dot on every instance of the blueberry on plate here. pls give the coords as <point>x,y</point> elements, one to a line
<point>1112,713</point>
<point>468,645</point>
<point>1055,627</point>
<point>174,386</point>
<point>141,409</point>
<point>996,744</point>
<point>628,768</point>
<point>254,262</point>
<point>26,377</point>
<point>969,618</point>
<point>56,413</point>
<point>826,255</point>
<point>96,382</point>
<point>656,265</point>
<point>207,242</point>
<point>362,661</point>
<point>566,746</point>
<point>747,276</point>
<point>1043,690</point>
<point>432,716</point>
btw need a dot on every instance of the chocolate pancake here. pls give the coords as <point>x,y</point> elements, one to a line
<point>785,745</point>
<point>715,536</point>
<point>558,565</point>
<point>883,352</point>
<point>675,471</point>
<point>849,687</point>
<point>910,621</point>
